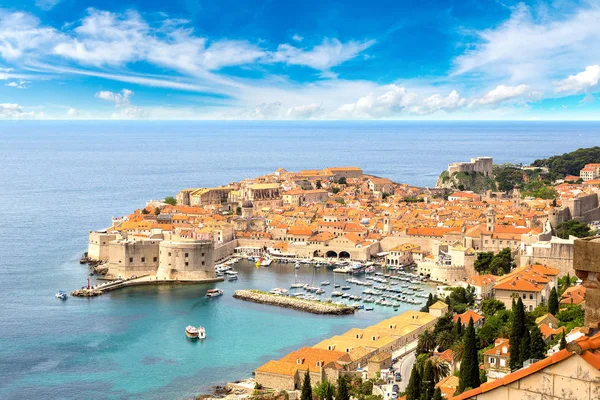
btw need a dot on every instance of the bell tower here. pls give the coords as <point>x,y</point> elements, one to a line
<point>490,220</point>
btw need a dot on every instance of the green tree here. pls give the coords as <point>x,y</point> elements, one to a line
<point>342,181</point>
<point>306,388</point>
<point>445,340</point>
<point>440,368</point>
<point>413,389</point>
<point>437,394</point>
<point>491,306</point>
<point>493,327</point>
<point>171,200</point>
<point>443,324</point>
<point>538,346</point>
<point>426,343</point>
<point>483,261</point>
<point>571,316</point>
<point>457,331</point>
<point>469,367</point>
<point>573,228</point>
<point>156,211</point>
<point>335,190</point>
<point>342,389</point>
<point>553,302</point>
<point>524,347</point>
<point>427,381</point>
<point>563,342</point>
<point>325,390</point>
<point>516,334</point>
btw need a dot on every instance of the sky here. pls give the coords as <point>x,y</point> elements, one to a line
<point>288,60</point>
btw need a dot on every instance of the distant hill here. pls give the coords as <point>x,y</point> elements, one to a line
<point>569,163</point>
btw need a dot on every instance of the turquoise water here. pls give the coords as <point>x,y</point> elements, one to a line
<point>59,180</point>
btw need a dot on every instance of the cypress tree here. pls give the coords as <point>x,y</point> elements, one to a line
<point>525,348</point>
<point>427,381</point>
<point>553,302</point>
<point>469,366</point>
<point>413,389</point>
<point>437,394</point>
<point>563,342</point>
<point>516,334</point>
<point>458,330</point>
<point>538,346</point>
<point>306,388</point>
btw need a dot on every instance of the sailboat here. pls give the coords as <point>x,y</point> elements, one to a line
<point>296,285</point>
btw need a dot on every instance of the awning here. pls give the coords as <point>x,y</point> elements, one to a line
<point>382,254</point>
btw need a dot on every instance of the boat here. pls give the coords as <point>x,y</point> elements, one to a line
<point>214,293</point>
<point>325,283</point>
<point>368,308</point>
<point>346,288</point>
<point>266,262</point>
<point>336,294</point>
<point>192,332</point>
<point>61,295</point>
<point>297,265</point>
<point>201,333</point>
<point>233,278</point>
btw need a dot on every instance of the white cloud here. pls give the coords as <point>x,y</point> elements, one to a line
<point>580,83</point>
<point>72,112</point>
<point>125,110</point>
<point>306,111</point>
<point>46,4</point>
<point>261,111</point>
<point>21,33</point>
<point>297,38</point>
<point>328,54</point>
<point>18,84</point>
<point>15,111</point>
<point>436,103</point>
<point>535,44</point>
<point>393,102</point>
<point>504,93</point>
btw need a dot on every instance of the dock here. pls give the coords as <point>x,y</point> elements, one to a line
<point>311,306</point>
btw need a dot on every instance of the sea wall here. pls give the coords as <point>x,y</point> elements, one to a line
<point>314,307</point>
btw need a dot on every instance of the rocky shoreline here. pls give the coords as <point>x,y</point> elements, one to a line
<point>314,307</point>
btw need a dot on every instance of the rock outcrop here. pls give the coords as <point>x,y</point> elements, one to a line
<point>315,307</point>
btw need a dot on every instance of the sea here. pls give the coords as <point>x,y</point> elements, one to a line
<point>61,179</point>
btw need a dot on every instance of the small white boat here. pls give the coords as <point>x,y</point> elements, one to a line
<point>325,283</point>
<point>201,333</point>
<point>233,278</point>
<point>191,332</point>
<point>61,295</point>
<point>214,293</point>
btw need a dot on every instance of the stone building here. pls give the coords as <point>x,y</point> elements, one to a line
<point>556,253</point>
<point>496,361</point>
<point>570,374</point>
<point>98,245</point>
<point>483,165</point>
<point>263,195</point>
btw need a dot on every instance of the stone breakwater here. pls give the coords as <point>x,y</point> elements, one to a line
<point>314,307</point>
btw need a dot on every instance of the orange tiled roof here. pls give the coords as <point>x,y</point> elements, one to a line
<point>586,347</point>
<point>466,316</point>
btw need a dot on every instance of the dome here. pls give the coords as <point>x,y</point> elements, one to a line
<point>247,204</point>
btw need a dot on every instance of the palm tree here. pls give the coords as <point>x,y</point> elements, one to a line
<point>457,351</point>
<point>440,367</point>
<point>426,342</point>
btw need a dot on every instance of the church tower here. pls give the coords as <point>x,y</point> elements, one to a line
<point>490,220</point>
<point>387,226</point>
<point>516,197</point>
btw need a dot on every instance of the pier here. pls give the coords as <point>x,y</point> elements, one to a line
<point>311,306</point>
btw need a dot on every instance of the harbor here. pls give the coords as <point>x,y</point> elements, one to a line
<point>311,306</point>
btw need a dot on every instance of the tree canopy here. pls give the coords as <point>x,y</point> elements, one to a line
<point>496,264</point>
<point>171,200</point>
<point>573,228</point>
<point>569,163</point>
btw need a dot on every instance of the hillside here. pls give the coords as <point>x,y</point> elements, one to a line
<point>474,181</point>
<point>569,163</point>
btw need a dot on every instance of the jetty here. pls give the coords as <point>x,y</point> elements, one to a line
<point>311,306</point>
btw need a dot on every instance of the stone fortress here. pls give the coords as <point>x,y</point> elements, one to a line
<point>480,164</point>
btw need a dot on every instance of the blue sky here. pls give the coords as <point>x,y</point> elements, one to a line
<point>194,59</point>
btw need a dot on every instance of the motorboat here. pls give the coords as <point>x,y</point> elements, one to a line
<point>346,288</point>
<point>233,278</point>
<point>192,332</point>
<point>214,293</point>
<point>325,283</point>
<point>61,295</point>
<point>336,294</point>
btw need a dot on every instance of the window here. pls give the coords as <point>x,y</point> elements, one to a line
<point>169,254</point>
<point>202,254</point>
<point>143,259</point>
<point>155,259</point>
<point>187,263</point>
<point>531,297</point>
<point>130,259</point>
<point>502,362</point>
<point>202,262</point>
<point>492,360</point>
<point>187,254</point>
<point>524,296</point>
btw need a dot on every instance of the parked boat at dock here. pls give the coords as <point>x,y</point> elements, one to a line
<point>214,293</point>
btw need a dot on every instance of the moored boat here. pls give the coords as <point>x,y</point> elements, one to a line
<point>61,295</point>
